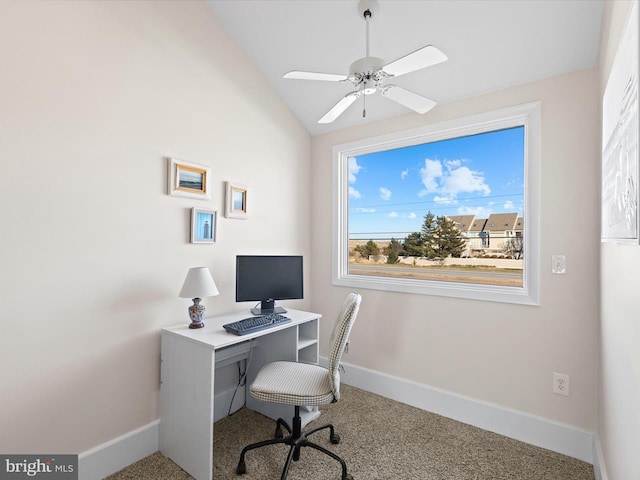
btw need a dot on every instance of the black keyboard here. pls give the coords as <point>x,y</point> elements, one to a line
<point>255,324</point>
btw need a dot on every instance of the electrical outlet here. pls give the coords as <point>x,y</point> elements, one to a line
<point>561,384</point>
<point>558,264</point>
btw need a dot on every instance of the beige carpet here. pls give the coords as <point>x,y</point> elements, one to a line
<point>381,440</point>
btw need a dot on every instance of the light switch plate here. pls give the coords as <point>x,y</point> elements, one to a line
<point>558,264</point>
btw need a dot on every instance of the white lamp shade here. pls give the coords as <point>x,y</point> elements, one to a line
<point>198,284</point>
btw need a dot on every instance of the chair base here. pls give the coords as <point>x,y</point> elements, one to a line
<point>296,439</point>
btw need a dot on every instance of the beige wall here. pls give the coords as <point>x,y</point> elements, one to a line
<point>618,414</point>
<point>93,97</point>
<point>500,353</point>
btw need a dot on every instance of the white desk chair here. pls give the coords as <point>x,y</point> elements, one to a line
<point>303,384</point>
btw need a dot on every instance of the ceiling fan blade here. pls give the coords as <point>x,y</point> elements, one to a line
<point>422,58</point>
<point>327,77</point>
<point>340,107</point>
<point>411,100</point>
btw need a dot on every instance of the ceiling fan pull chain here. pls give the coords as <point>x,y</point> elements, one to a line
<point>364,106</point>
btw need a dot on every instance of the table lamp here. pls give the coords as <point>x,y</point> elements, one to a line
<point>197,285</point>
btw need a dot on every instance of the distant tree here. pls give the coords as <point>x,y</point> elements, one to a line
<point>394,246</point>
<point>430,235</point>
<point>370,248</point>
<point>448,238</point>
<point>439,238</point>
<point>392,251</point>
<point>429,226</point>
<point>413,245</point>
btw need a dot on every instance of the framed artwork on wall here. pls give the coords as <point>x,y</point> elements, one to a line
<point>187,179</point>
<point>203,225</point>
<point>236,201</point>
<point>620,165</point>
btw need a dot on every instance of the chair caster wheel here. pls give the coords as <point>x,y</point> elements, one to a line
<point>348,476</point>
<point>335,439</point>
<point>241,469</point>
<point>278,433</point>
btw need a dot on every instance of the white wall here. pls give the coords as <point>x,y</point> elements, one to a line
<point>93,97</point>
<point>619,402</point>
<point>499,353</point>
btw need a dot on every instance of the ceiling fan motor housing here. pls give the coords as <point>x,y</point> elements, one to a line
<point>367,70</point>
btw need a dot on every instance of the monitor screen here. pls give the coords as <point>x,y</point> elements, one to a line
<point>267,278</point>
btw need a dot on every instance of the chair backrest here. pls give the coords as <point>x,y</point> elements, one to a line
<point>340,338</point>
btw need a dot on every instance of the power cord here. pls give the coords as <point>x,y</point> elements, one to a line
<point>242,380</point>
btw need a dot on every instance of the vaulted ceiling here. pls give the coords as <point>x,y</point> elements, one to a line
<point>491,45</point>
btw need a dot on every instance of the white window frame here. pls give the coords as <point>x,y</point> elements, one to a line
<point>527,115</point>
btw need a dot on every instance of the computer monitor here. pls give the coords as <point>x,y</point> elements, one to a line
<point>267,278</point>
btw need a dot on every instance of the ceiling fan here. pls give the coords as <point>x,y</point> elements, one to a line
<point>368,74</point>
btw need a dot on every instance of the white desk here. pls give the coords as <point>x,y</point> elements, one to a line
<point>188,363</point>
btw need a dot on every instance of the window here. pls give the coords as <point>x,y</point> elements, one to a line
<point>448,209</point>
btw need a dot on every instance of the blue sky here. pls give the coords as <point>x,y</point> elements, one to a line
<point>390,192</point>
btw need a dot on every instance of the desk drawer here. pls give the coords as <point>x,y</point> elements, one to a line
<point>233,353</point>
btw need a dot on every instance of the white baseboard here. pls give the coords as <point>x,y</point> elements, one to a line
<point>118,453</point>
<point>538,431</point>
<point>599,468</point>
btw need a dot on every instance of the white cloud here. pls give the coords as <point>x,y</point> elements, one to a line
<point>385,193</point>
<point>404,174</point>
<point>412,215</point>
<point>392,215</point>
<point>431,172</point>
<point>354,169</point>
<point>464,180</point>
<point>445,200</point>
<point>451,180</point>
<point>508,205</point>
<point>450,164</point>
<point>353,193</point>
<point>365,210</point>
<point>479,212</point>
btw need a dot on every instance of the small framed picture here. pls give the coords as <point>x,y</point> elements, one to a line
<point>188,179</point>
<point>236,201</point>
<point>203,225</point>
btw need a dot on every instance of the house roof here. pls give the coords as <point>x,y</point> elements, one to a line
<point>478,225</point>
<point>463,222</point>
<point>499,222</point>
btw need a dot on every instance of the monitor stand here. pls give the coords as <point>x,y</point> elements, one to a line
<point>266,307</point>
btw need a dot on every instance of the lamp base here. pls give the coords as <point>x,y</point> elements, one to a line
<point>196,314</point>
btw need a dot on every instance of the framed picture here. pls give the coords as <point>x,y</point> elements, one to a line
<point>188,179</point>
<point>236,201</point>
<point>620,163</point>
<point>203,225</point>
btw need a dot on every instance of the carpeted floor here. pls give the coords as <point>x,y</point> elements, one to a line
<point>381,440</point>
